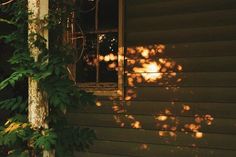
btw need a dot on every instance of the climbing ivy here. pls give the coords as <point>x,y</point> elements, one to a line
<point>16,134</point>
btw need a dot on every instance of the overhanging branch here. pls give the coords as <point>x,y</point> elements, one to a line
<point>7,2</point>
<point>7,21</point>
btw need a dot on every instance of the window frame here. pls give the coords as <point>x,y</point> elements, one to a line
<point>109,88</point>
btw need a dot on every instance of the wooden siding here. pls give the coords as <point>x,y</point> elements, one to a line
<point>199,36</point>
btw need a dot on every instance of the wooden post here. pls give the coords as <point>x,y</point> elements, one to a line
<point>37,103</point>
<point>121,50</point>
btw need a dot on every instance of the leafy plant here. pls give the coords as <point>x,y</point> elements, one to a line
<point>50,70</point>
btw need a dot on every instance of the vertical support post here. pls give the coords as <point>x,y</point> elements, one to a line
<point>121,55</point>
<point>98,44</point>
<point>37,103</point>
<point>70,38</point>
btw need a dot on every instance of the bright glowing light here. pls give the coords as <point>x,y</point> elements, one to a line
<point>112,57</point>
<point>198,134</point>
<point>98,104</point>
<point>179,67</point>
<point>186,107</point>
<point>149,71</point>
<point>193,127</point>
<point>145,53</point>
<point>136,125</point>
<point>107,58</point>
<point>128,98</point>
<point>101,58</point>
<point>160,48</point>
<point>161,118</point>
<point>209,119</point>
<point>152,67</point>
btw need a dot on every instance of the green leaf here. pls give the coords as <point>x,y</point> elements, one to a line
<point>14,132</point>
<point>14,104</point>
<point>50,71</point>
<point>14,77</point>
<point>45,140</point>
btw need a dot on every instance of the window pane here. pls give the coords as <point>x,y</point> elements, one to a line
<point>86,66</point>
<point>108,47</point>
<point>86,14</point>
<point>108,14</point>
<point>106,69</point>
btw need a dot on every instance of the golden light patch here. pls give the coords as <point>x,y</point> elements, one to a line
<point>136,125</point>
<point>98,104</point>
<point>198,135</point>
<point>162,118</point>
<point>186,107</point>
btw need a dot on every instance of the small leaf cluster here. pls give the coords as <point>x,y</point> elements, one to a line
<point>50,70</point>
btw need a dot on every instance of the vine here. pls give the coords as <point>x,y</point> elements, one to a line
<point>16,134</point>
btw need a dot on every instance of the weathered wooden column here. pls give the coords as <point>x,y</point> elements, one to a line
<point>37,103</point>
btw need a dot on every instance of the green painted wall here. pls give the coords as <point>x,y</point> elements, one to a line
<point>188,110</point>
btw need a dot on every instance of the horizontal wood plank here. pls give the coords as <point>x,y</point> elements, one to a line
<point>181,35</point>
<point>189,94</point>
<point>150,150</point>
<point>219,125</point>
<point>190,79</point>
<point>217,141</point>
<point>195,49</point>
<point>163,7</point>
<point>216,110</point>
<point>202,19</point>
<point>141,2</point>
<point>201,64</point>
<point>87,154</point>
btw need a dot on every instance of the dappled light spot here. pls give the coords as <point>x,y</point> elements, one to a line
<point>98,104</point>
<point>130,94</point>
<point>186,108</point>
<point>122,124</point>
<point>136,125</point>
<point>168,112</point>
<point>128,98</point>
<point>179,67</point>
<point>166,134</point>
<point>148,65</point>
<point>192,127</point>
<point>209,119</point>
<point>198,135</point>
<point>161,118</point>
<point>144,147</point>
<point>14,126</point>
<point>145,65</point>
<point>115,108</point>
<point>167,123</point>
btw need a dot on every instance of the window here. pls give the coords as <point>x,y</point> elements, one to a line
<point>96,31</point>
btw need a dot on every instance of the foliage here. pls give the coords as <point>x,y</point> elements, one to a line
<point>51,72</point>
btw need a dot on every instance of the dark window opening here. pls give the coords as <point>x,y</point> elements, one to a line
<point>98,49</point>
